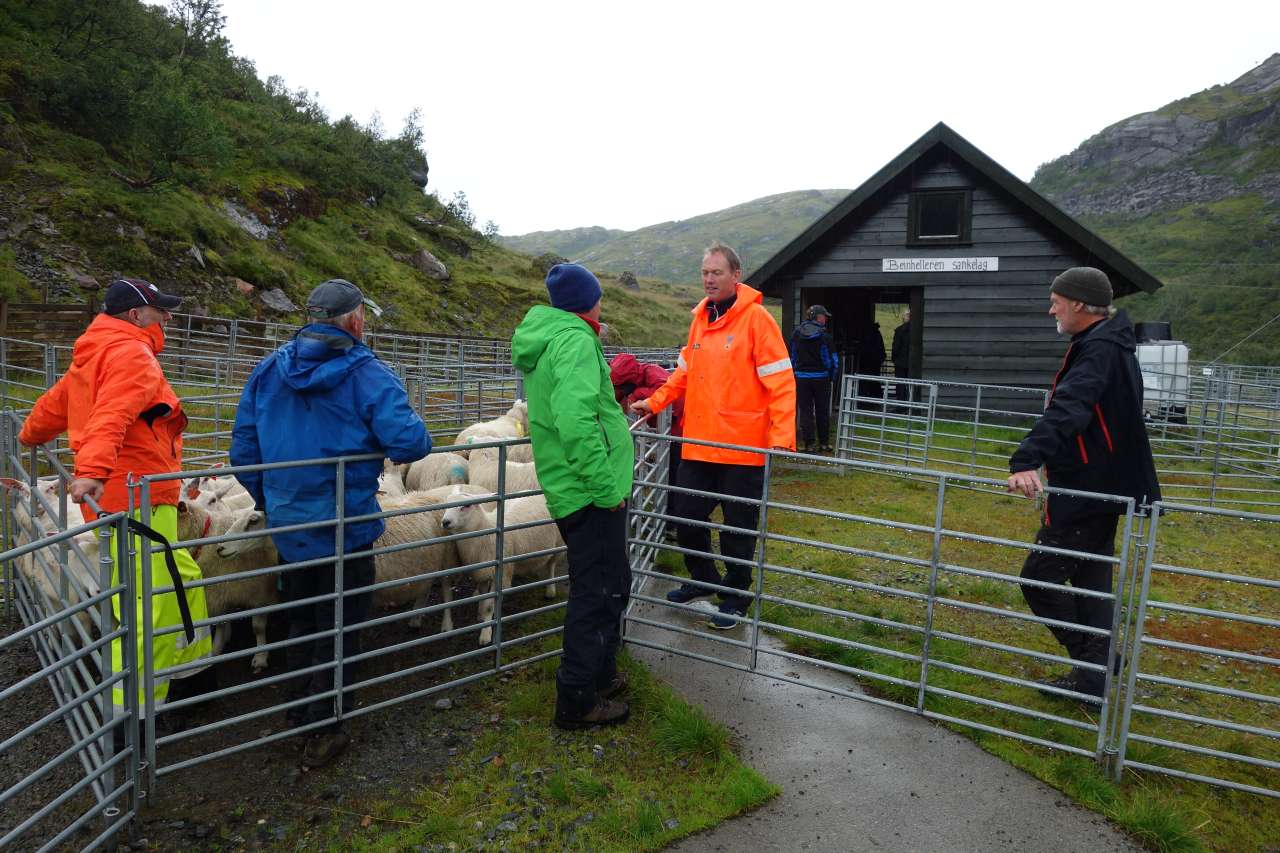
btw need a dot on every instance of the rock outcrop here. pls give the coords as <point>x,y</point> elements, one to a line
<point>1205,147</point>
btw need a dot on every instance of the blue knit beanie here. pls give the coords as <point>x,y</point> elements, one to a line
<point>573,288</point>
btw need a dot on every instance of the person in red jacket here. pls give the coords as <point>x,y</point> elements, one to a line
<point>634,380</point>
<point>735,377</point>
<point>122,417</point>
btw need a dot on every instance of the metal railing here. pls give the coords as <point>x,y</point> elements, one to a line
<point>1226,454</point>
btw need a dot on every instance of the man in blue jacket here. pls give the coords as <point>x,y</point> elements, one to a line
<point>813,358</point>
<point>324,394</point>
<point>1091,438</point>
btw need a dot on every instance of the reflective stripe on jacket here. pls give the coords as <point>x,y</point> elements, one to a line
<point>736,380</point>
<point>119,412</point>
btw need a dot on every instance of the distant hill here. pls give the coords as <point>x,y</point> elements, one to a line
<point>673,250</point>
<point>1191,192</point>
<point>133,142</point>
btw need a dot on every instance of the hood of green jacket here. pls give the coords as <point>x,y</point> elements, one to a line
<point>581,445</point>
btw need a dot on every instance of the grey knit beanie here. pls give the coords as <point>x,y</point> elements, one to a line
<point>1086,284</point>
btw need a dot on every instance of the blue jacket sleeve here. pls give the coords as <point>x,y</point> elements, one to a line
<point>245,449</point>
<point>829,356</point>
<point>386,409</point>
<point>1070,410</point>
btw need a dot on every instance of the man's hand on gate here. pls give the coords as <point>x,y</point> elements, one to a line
<point>642,407</point>
<point>82,486</point>
<point>1026,483</point>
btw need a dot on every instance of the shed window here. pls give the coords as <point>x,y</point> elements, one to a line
<point>940,217</point>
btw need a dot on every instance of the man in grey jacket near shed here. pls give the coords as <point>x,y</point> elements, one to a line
<point>1091,438</point>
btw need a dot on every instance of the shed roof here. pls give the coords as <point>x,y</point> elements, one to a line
<point>1126,276</point>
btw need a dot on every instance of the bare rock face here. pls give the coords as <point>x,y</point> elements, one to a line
<point>247,222</point>
<point>1177,155</point>
<point>285,204</point>
<point>276,300</point>
<point>241,285</point>
<point>628,280</point>
<point>429,265</point>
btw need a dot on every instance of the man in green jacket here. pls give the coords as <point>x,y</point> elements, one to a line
<point>584,457</point>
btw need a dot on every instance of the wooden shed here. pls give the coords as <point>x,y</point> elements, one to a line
<point>969,247</point>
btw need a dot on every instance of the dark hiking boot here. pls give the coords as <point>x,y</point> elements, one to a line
<point>323,747</point>
<point>1078,681</point>
<point>685,593</point>
<point>824,448</point>
<point>606,712</point>
<point>615,688</point>
<point>724,621</point>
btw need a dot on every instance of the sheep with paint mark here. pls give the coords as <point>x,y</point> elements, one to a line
<point>513,424</point>
<point>437,469</point>
<point>518,540</point>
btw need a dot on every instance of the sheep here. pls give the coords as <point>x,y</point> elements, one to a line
<point>520,452</point>
<point>513,424</point>
<point>390,481</point>
<point>436,469</point>
<point>526,540</point>
<point>410,562</point>
<point>199,521</point>
<point>44,572</point>
<point>520,476</point>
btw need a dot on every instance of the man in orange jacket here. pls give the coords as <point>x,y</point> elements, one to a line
<point>738,387</point>
<point>122,417</point>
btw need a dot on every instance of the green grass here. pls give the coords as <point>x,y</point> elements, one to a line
<point>1160,811</point>
<point>666,773</point>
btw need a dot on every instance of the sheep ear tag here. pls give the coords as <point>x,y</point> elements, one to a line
<point>519,429</point>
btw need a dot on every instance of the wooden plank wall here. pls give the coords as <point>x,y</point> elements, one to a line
<point>989,328</point>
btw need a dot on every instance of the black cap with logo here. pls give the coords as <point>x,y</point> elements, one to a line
<point>126,293</point>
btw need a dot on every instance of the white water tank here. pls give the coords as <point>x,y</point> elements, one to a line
<point>1166,379</point>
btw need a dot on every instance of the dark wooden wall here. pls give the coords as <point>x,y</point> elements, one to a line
<point>990,328</point>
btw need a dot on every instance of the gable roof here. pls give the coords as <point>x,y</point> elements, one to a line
<point>1126,276</point>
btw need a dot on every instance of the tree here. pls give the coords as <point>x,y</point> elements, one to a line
<point>459,210</point>
<point>200,23</point>
<point>490,231</point>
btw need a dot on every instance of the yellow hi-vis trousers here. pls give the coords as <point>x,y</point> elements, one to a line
<point>169,649</point>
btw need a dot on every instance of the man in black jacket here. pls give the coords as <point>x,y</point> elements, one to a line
<point>901,354</point>
<point>813,358</point>
<point>1092,438</point>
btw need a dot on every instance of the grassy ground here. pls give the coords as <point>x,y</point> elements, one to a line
<point>668,772</point>
<point>1164,813</point>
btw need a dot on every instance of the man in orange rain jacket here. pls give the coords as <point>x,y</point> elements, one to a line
<point>123,418</point>
<point>738,388</point>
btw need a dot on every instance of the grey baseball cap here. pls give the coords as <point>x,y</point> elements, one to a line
<point>336,297</point>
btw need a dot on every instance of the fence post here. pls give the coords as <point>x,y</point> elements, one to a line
<point>232,334</point>
<point>148,639</point>
<point>339,585</point>
<point>1106,749</point>
<point>977,418</point>
<point>930,415</point>
<point>1136,642</point>
<point>6,441</point>
<point>499,548</point>
<point>106,702</point>
<point>933,592</point>
<point>1217,456</point>
<point>762,536</point>
<point>50,365</point>
<point>129,660</point>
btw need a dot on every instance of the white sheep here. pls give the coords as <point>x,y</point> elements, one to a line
<point>515,543</point>
<point>520,476</point>
<point>199,521</point>
<point>390,481</point>
<point>436,469</point>
<point>513,424</point>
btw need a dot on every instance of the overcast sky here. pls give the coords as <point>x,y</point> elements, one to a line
<point>559,114</point>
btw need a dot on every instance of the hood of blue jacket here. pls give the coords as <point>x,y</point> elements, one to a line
<point>319,357</point>
<point>811,329</point>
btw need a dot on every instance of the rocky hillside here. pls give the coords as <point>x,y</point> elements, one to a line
<point>1192,192</point>
<point>173,161</point>
<point>673,250</point>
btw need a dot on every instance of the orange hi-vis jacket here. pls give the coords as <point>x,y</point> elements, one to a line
<point>118,410</point>
<point>736,380</point>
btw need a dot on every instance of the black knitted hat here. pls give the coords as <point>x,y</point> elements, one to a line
<point>1086,284</point>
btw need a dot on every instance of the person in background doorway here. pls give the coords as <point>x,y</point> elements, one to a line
<point>813,359</point>
<point>324,394</point>
<point>901,356</point>
<point>1092,438</point>
<point>738,388</point>
<point>870,361</point>
<point>122,417</point>
<point>585,460</point>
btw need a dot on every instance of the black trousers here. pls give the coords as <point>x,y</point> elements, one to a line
<point>814,395</point>
<point>599,588</point>
<point>745,481</point>
<point>1096,535</point>
<point>901,391</point>
<point>319,616</point>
